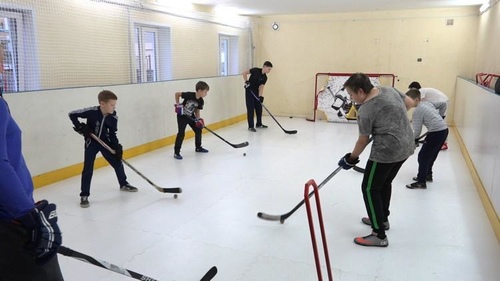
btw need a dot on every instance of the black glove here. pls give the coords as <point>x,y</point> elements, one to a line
<point>83,130</point>
<point>247,84</point>
<point>261,99</point>
<point>119,151</point>
<point>346,162</point>
<point>44,233</point>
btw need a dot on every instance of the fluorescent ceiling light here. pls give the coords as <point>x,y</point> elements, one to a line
<point>484,7</point>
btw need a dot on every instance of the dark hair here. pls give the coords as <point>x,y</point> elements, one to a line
<point>201,85</point>
<point>359,81</point>
<point>268,64</point>
<point>106,95</point>
<point>413,93</point>
<point>414,85</point>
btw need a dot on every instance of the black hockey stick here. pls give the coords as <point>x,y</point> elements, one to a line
<point>210,274</point>
<point>109,266</point>
<point>419,139</point>
<point>357,168</point>
<point>290,132</point>
<point>159,188</point>
<point>238,145</point>
<point>361,170</point>
<point>283,217</point>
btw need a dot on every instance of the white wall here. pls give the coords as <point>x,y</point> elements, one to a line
<point>477,120</point>
<point>145,111</point>
<point>370,42</point>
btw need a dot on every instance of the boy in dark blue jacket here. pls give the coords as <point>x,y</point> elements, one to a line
<point>29,234</point>
<point>103,123</point>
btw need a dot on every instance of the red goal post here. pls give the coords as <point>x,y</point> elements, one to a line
<point>333,82</point>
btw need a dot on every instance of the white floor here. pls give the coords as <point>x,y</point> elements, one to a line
<point>441,233</point>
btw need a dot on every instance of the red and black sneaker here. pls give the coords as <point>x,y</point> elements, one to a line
<point>371,241</point>
<point>445,146</point>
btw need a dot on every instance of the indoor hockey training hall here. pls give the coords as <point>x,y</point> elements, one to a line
<point>60,54</point>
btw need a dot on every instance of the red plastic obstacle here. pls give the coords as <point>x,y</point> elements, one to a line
<point>322,229</point>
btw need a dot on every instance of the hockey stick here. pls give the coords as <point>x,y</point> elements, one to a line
<point>238,145</point>
<point>283,217</point>
<point>290,132</point>
<point>210,274</point>
<point>160,189</point>
<point>359,169</point>
<point>109,266</point>
<point>419,139</point>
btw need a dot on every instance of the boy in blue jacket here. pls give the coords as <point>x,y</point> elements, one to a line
<point>103,123</point>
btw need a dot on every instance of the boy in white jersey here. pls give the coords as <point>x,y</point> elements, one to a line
<point>430,115</point>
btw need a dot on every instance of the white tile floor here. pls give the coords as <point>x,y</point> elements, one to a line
<point>441,233</point>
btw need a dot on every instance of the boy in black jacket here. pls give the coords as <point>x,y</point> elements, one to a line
<point>188,113</point>
<point>103,123</point>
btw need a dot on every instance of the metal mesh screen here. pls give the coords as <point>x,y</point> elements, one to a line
<point>81,43</point>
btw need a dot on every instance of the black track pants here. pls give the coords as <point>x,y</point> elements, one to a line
<point>377,189</point>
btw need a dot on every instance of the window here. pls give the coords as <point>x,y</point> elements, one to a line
<point>228,55</point>
<point>152,53</point>
<point>16,37</point>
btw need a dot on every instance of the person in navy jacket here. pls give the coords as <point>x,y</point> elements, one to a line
<point>103,123</point>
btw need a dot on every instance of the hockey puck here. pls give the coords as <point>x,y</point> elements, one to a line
<point>175,196</point>
<point>291,117</point>
<point>244,154</point>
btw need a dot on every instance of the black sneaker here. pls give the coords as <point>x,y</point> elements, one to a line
<point>177,156</point>
<point>367,221</point>
<point>201,149</point>
<point>252,130</point>
<point>427,179</point>
<point>416,185</point>
<point>84,202</point>
<point>261,126</point>
<point>129,188</point>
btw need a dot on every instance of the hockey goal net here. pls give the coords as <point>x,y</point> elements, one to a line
<point>334,104</point>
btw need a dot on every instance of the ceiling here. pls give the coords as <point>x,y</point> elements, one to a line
<point>279,7</point>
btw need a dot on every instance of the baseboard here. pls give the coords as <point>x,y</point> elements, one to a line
<point>483,195</point>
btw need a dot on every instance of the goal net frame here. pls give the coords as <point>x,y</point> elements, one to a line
<point>334,103</point>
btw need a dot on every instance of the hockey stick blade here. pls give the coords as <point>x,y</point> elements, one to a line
<point>160,189</point>
<point>285,216</point>
<point>290,132</point>
<point>238,145</point>
<point>169,189</point>
<point>210,274</point>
